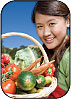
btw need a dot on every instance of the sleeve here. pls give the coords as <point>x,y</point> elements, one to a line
<point>66,67</point>
<point>62,88</point>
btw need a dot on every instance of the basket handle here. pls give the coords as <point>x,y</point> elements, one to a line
<point>31,38</point>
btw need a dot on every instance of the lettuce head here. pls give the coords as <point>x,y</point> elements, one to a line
<point>27,56</point>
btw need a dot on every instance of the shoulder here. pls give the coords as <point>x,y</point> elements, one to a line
<point>66,55</point>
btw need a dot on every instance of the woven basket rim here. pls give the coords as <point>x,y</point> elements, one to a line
<point>46,60</point>
<point>45,92</point>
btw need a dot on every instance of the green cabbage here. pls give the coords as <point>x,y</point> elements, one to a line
<point>27,56</point>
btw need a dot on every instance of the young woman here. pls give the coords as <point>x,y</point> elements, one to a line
<point>51,18</point>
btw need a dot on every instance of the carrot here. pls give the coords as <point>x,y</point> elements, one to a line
<point>33,64</point>
<point>39,73</point>
<point>41,69</point>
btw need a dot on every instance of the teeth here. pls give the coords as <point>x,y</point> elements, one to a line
<point>50,39</point>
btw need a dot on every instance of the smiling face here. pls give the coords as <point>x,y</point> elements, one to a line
<point>51,29</point>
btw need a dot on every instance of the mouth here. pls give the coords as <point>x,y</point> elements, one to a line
<point>49,40</point>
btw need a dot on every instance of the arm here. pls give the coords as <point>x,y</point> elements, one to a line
<point>63,78</point>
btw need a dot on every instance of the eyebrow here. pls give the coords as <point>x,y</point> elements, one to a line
<point>50,20</point>
<point>47,21</point>
<point>37,23</point>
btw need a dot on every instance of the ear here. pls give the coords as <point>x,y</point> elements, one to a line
<point>68,21</point>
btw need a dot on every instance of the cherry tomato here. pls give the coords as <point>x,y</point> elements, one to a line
<point>2,63</point>
<point>6,60</point>
<point>14,70</point>
<point>2,56</point>
<point>2,70</point>
<point>9,86</point>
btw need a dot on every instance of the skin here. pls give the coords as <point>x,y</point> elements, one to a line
<point>51,29</point>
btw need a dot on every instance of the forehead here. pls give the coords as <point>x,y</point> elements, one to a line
<point>43,18</point>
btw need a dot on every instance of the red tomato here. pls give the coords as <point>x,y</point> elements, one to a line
<point>2,56</point>
<point>2,63</point>
<point>3,70</point>
<point>14,69</point>
<point>6,60</point>
<point>9,86</point>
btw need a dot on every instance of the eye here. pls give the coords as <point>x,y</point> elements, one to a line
<point>39,26</point>
<point>52,24</point>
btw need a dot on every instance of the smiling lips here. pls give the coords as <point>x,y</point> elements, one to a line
<point>49,40</point>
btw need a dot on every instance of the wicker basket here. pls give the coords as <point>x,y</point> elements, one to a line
<point>46,91</point>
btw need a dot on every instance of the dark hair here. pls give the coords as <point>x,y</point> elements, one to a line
<point>50,7</point>
<point>53,8</point>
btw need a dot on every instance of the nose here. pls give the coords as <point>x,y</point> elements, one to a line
<point>47,31</point>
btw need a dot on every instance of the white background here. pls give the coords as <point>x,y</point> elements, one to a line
<point>2,3</point>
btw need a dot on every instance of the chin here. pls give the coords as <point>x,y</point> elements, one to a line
<point>50,47</point>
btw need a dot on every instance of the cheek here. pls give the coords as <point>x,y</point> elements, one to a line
<point>59,31</point>
<point>40,34</point>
